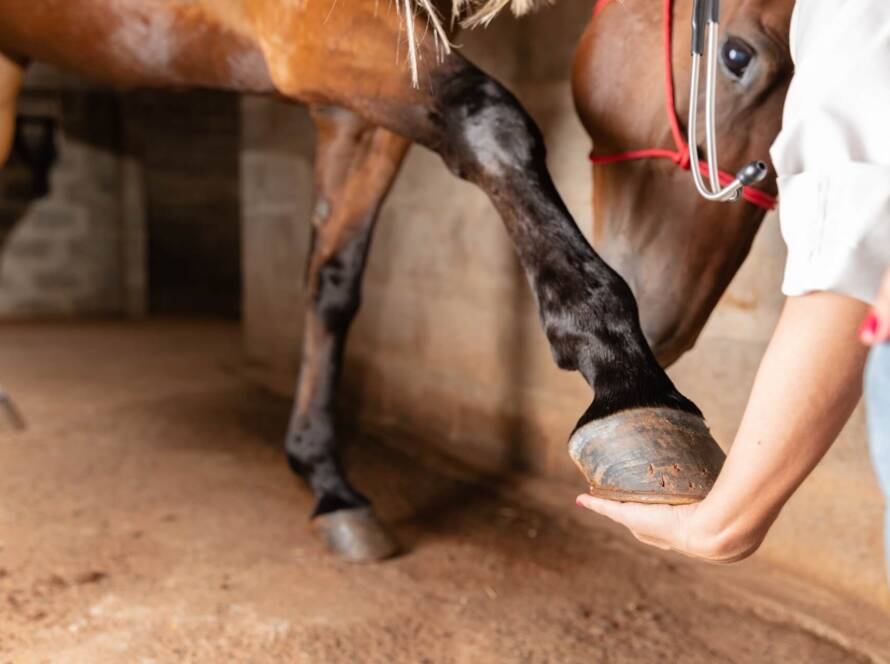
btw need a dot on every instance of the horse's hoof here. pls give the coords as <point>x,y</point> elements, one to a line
<point>648,455</point>
<point>355,535</point>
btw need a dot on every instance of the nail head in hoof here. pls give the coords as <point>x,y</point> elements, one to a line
<point>355,535</point>
<point>648,455</point>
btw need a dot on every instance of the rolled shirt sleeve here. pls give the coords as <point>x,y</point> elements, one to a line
<point>833,153</point>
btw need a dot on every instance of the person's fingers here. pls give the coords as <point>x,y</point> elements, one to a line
<point>661,526</point>
<point>651,524</point>
<point>610,508</point>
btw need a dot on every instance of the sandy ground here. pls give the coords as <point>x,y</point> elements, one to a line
<point>147,516</point>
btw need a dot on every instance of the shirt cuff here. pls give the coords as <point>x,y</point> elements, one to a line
<point>836,224</point>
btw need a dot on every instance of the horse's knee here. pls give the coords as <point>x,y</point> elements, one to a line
<point>486,133</point>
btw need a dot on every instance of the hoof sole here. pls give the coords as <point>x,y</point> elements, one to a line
<point>355,535</point>
<point>648,455</point>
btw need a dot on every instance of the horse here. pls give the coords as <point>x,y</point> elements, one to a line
<point>677,251</point>
<point>338,59</point>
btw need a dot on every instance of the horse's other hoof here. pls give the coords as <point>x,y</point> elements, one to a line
<point>648,455</point>
<point>355,535</point>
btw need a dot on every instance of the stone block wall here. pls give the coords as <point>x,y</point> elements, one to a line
<point>62,252</point>
<point>278,142</point>
<point>143,210</point>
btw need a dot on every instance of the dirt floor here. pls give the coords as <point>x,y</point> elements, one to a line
<point>147,515</point>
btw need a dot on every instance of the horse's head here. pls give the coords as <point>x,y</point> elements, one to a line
<point>677,251</point>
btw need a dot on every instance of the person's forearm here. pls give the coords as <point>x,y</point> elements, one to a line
<point>808,384</point>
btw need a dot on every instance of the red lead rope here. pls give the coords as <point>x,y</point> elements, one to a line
<point>680,156</point>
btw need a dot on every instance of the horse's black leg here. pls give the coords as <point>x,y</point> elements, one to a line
<point>485,136</point>
<point>640,439</point>
<point>355,165</point>
<point>587,310</point>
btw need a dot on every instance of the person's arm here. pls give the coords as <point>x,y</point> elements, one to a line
<point>807,385</point>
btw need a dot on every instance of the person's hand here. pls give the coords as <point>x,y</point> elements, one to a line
<point>808,383</point>
<point>875,328</point>
<point>680,528</point>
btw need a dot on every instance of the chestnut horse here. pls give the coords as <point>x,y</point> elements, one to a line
<point>677,251</point>
<point>339,59</point>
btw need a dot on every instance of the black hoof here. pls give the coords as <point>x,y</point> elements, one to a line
<point>648,455</point>
<point>355,535</point>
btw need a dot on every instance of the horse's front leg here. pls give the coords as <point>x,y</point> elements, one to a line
<point>354,167</point>
<point>11,74</point>
<point>640,439</point>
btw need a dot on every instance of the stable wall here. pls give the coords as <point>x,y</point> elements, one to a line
<point>142,212</point>
<point>63,251</point>
<point>447,349</point>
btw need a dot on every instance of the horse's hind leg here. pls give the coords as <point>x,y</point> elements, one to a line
<point>355,165</point>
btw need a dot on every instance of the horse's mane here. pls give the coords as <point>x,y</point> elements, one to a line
<point>470,14</point>
<point>480,12</point>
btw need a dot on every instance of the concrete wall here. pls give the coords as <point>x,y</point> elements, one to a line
<point>447,349</point>
<point>187,144</point>
<point>143,209</point>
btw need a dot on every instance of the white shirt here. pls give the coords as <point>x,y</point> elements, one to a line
<point>832,156</point>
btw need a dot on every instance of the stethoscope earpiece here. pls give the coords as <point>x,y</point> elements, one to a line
<point>706,13</point>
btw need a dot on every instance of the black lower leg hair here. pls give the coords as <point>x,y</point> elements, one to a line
<point>311,443</point>
<point>587,310</point>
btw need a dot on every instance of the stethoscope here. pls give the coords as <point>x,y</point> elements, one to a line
<point>709,11</point>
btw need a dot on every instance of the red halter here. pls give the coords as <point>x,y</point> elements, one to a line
<point>680,156</point>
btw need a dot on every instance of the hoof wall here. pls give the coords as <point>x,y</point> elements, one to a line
<point>355,535</point>
<point>648,455</point>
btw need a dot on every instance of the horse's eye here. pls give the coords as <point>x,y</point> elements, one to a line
<point>737,56</point>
